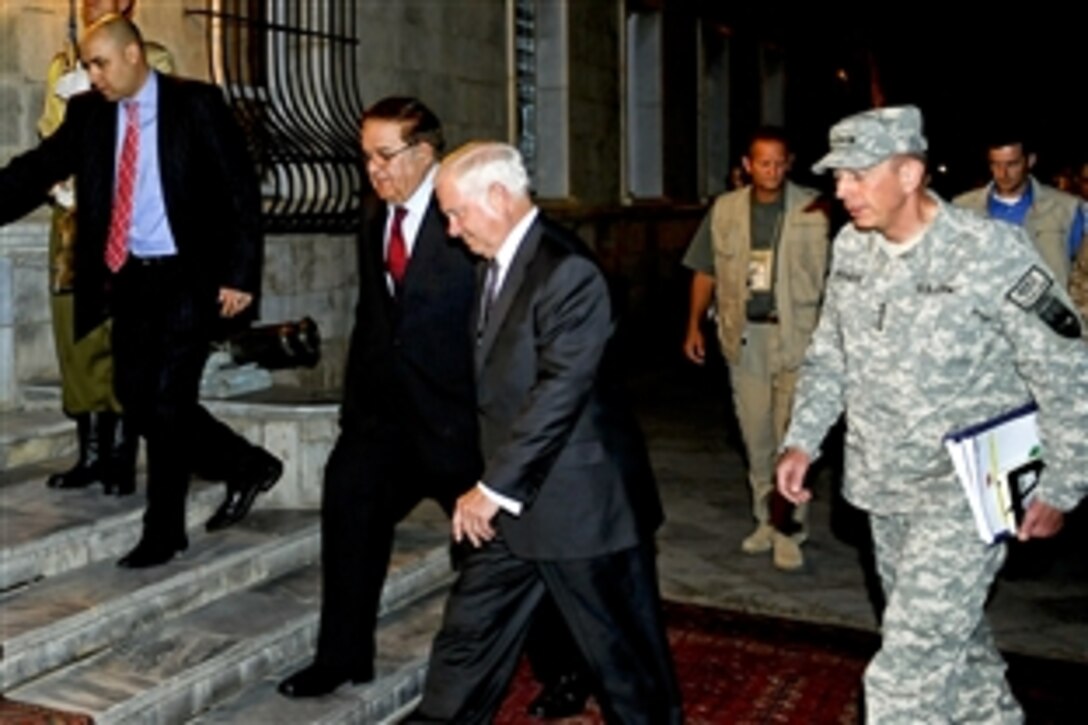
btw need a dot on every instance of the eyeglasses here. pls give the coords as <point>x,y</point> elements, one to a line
<point>385,155</point>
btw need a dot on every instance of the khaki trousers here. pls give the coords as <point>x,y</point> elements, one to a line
<point>762,398</point>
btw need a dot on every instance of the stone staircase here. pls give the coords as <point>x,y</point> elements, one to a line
<point>205,638</point>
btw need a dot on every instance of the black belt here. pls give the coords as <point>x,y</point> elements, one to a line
<point>163,260</point>
<point>771,318</point>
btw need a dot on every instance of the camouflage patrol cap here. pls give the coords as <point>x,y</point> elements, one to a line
<point>866,139</point>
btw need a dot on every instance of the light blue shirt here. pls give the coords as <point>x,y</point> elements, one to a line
<point>1077,232</point>
<point>1014,213</point>
<point>150,235</point>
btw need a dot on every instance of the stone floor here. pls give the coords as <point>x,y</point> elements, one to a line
<point>1039,605</point>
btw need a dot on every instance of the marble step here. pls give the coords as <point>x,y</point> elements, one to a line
<point>45,532</point>
<point>298,426</point>
<point>33,436</point>
<point>63,618</point>
<point>41,395</point>
<point>179,668</point>
<point>404,642</point>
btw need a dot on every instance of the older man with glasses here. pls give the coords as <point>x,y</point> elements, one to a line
<point>408,416</point>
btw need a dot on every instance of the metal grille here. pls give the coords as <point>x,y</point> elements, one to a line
<point>288,68</point>
<point>525,83</point>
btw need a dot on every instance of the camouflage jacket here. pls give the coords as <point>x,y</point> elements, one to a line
<point>947,335</point>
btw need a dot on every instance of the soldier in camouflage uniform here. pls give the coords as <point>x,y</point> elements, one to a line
<point>934,319</point>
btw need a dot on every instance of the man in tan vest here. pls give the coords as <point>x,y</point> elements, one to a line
<point>1052,218</point>
<point>764,261</point>
<point>1078,281</point>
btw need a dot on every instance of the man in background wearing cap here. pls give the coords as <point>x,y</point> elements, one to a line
<point>764,260</point>
<point>1053,219</point>
<point>934,319</point>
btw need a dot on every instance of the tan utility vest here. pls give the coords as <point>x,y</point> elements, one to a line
<point>802,258</point>
<point>1047,223</point>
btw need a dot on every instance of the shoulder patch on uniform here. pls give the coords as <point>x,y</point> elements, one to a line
<point>1034,292</point>
<point>1030,288</point>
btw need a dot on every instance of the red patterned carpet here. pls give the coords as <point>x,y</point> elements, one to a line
<point>18,713</point>
<point>740,669</point>
<point>744,669</point>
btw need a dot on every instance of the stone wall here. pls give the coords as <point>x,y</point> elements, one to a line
<point>594,102</point>
<point>452,55</point>
<point>304,275</point>
<point>32,31</point>
<point>316,276</point>
<point>26,342</point>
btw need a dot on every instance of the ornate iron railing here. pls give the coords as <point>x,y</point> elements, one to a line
<point>525,81</point>
<point>289,71</point>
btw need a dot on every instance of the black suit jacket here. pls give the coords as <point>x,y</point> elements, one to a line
<point>555,432</point>
<point>410,360</point>
<point>209,187</point>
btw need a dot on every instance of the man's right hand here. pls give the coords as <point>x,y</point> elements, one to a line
<point>702,292</point>
<point>472,517</point>
<point>695,346</point>
<point>790,476</point>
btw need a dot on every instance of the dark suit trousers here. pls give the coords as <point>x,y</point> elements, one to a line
<point>373,480</point>
<point>161,329</point>
<point>611,605</point>
<point>551,651</point>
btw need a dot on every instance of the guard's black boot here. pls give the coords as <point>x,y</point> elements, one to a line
<point>88,469</point>
<point>119,478</point>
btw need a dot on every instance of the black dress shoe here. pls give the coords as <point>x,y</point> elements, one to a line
<point>317,680</point>
<point>566,697</point>
<point>242,491</point>
<point>148,553</point>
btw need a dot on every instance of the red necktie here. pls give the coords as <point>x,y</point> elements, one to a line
<point>121,221</point>
<point>396,256</point>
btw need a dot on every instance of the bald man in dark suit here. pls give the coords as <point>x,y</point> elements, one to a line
<point>169,243</point>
